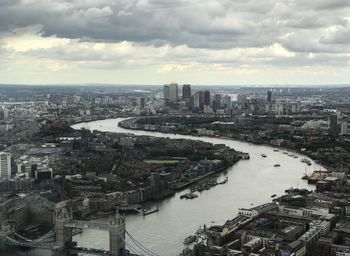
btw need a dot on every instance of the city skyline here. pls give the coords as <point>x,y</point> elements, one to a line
<point>175,127</point>
<point>269,164</point>
<point>155,42</point>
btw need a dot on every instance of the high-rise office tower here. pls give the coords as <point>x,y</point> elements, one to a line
<point>166,92</point>
<point>344,127</point>
<point>186,91</point>
<point>191,103</point>
<point>198,100</point>
<point>217,102</point>
<point>173,92</point>
<point>5,165</point>
<point>241,100</point>
<point>333,124</point>
<point>206,100</point>
<point>227,101</point>
<point>269,96</point>
<point>142,103</point>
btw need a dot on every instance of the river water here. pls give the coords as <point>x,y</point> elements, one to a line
<point>251,182</point>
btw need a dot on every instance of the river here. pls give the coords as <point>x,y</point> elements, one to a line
<point>251,182</point>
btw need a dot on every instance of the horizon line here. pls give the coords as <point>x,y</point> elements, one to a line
<point>156,85</point>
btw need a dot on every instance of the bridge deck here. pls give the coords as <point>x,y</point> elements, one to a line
<point>81,224</point>
<point>87,251</point>
<point>13,242</point>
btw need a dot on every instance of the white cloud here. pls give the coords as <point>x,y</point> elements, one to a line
<point>174,37</point>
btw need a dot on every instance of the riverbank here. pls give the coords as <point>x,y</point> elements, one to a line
<point>212,173</point>
<point>130,118</point>
<point>169,165</point>
<point>130,124</point>
<point>287,132</point>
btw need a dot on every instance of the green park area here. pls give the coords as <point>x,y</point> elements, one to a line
<point>155,161</point>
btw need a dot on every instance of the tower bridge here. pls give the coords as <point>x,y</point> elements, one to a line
<point>59,239</point>
<point>64,223</point>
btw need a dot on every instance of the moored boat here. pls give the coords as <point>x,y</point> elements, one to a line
<point>189,196</point>
<point>190,239</point>
<point>304,160</point>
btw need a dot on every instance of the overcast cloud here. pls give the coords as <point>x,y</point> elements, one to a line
<point>156,41</point>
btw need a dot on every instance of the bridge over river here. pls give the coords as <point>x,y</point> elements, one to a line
<point>59,239</point>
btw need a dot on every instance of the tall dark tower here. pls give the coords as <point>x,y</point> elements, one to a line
<point>186,91</point>
<point>206,100</point>
<point>142,103</point>
<point>269,96</point>
<point>166,92</point>
<point>217,102</point>
<point>333,125</point>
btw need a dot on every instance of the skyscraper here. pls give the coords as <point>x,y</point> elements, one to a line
<point>5,165</point>
<point>166,92</point>
<point>198,101</point>
<point>191,103</point>
<point>206,100</point>
<point>171,92</point>
<point>344,127</point>
<point>186,91</point>
<point>227,101</point>
<point>216,102</point>
<point>269,96</point>
<point>142,103</point>
<point>333,125</point>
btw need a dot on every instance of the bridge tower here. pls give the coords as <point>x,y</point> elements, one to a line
<point>2,240</point>
<point>117,235</point>
<point>4,231</point>
<point>63,234</point>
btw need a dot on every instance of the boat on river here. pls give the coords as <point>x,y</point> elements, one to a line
<point>304,160</point>
<point>224,181</point>
<point>136,208</point>
<point>189,196</point>
<point>190,239</point>
<point>145,212</point>
<point>263,155</point>
<point>276,165</point>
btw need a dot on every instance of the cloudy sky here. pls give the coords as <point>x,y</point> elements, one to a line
<point>258,42</point>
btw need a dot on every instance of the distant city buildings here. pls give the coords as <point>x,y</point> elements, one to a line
<point>344,127</point>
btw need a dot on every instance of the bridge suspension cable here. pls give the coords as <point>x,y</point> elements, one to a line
<point>131,248</point>
<point>38,240</point>
<point>138,244</point>
<point>13,241</point>
<point>22,237</point>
